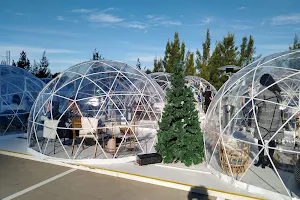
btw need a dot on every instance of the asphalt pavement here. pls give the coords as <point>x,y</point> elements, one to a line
<point>27,180</point>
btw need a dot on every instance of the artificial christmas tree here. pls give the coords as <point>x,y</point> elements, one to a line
<point>179,135</point>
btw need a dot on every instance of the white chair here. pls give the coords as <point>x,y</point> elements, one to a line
<point>49,130</point>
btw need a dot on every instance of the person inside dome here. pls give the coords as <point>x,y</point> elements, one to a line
<point>207,98</point>
<point>269,118</point>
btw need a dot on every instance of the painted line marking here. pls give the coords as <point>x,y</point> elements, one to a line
<point>120,174</point>
<point>39,185</point>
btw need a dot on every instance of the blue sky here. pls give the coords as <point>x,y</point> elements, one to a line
<point>125,30</point>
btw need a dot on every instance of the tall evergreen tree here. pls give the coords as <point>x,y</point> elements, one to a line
<point>190,69</point>
<point>13,63</point>
<point>155,65</point>
<point>243,48</point>
<point>96,55</point>
<point>138,64</point>
<point>158,65</point>
<point>250,51</point>
<point>296,44</point>
<point>35,68</point>
<point>206,48</point>
<point>23,61</point>
<point>225,53</point>
<point>179,136</point>
<point>182,52</point>
<point>44,71</point>
<point>202,60</point>
<point>167,57</point>
<point>173,53</point>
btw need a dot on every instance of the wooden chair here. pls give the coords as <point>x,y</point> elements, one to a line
<point>76,124</point>
<point>88,129</point>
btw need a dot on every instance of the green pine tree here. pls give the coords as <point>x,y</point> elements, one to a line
<point>190,69</point>
<point>158,65</point>
<point>167,57</point>
<point>243,48</point>
<point>206,48</point>
<point>43,71</point>
<point>23,61</point>
<point>203,60</point>
<point>13,63</point>
<point>179,136</point>
<point>296,44</point>
<point>138,64</point>
<point>250,51</point>
<point>173,52</point>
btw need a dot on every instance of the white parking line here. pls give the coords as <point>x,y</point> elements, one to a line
<point>38,185</point>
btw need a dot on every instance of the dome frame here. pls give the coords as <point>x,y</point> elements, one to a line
<point>225,119</point>
<point>98,85</point>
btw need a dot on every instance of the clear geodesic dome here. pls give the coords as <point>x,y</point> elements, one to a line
<point>200,85</point>
<point>196,83</point>
<point>252,127</point>
<point>109,107</point>
<point>163,79</point>
<point>18,89</point>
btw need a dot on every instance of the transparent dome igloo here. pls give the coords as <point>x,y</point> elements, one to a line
<point>163,79</point>
<point>252,127</point>
<point>18,89</point>
<point>110,107</point>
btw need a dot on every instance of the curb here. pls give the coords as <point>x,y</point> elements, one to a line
<point>137,177</point>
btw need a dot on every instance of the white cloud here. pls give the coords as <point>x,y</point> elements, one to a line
<point>135,25</point>
<point>19,14</point>
<point>286,19</point>
<point>82,11</point>
<point>150,16</point>
<point>103,17</point>
<point>39,31</point>
<point>16,49</point>
<point>207,20</point>
<point>181,15</point>
<point>161,21</point>
<point>241,27</point>
<point>60,18</point>
<point>242,8</point>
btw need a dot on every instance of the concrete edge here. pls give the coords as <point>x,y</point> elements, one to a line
<point>137,177</point>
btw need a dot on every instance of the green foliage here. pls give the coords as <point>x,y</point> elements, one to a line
<point>173,52</point>
<point>96,55</point>
<point>148,71</point>
<point>179,136</point>
<point>203,60</point>
<point>190,69</point>
<point>43,70</point>
<point>35,68</point>
<point>55,74</point>
<point>296,44</point>
<point>13,63</point>
<point>206,48</point>
<point>158,65</point>
<point>243,52</point>
<point>138,64</point>
<point>23,61</point>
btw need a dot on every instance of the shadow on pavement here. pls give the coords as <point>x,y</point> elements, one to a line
<point>198,193</point>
